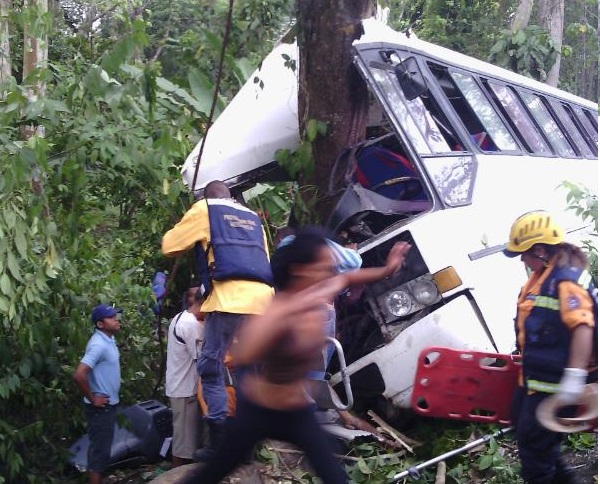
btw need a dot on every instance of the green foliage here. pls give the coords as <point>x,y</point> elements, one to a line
<point>470,27</point>
<point>529,51</point>
<point>300,163</point>
<point>488,463</point>
<point>182,38</point>
<point>584,203</point>
<point>374,464</point>
<point>83,208</point>
<point>579,64</point>
<point>82,211</point>
<point>582,440</point>
<point>275,203</point>
<point>493,465</point>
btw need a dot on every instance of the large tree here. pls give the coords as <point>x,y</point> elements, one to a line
<point>550,17</point>
<point>330,89</point>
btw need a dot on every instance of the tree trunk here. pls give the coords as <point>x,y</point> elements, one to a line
<point>551,16</point>
<point>35,54</point>
<point>330,88</point>
<point>35,43</point>
<point>5,66</point>
<point>522,15</point>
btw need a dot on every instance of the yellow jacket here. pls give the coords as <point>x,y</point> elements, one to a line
<point>232,296</point>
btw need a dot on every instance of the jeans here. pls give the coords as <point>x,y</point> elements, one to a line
<point>330,315</point>
<point>219,329</point>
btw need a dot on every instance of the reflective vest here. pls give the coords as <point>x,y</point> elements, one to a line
<point>547,339</point>
<point>237,242</point>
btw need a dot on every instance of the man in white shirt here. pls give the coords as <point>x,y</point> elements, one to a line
<point>184,340</point>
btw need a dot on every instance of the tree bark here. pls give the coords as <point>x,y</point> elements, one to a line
<point>35,55</point>
<point>551,16</point>
<point>522,15</point>
<point>5,65</point>
<point>330,88</point>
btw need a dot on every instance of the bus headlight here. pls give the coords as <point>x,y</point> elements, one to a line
<point>425,292</point>
<point>398,303</point>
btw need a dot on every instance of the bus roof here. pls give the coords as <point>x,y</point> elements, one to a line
<point>376,32</point>
<point>263,116</point>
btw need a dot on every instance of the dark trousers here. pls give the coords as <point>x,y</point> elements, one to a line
<point>539,448</point>
<point>252,424</point>
<point>101,429</point>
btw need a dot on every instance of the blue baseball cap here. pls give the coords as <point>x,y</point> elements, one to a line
<point>104,311</point>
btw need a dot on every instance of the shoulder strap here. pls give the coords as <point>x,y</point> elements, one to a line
<point>177,337</point>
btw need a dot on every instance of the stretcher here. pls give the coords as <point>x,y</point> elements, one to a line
<point>465,385</point>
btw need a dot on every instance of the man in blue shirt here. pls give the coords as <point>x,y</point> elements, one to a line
<point>98,377</point>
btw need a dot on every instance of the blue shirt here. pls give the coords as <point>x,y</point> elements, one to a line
<point>102,356</point>
<point>345,259</point>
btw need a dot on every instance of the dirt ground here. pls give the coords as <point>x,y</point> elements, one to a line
<point>585,464</point>
<point>291,464</point>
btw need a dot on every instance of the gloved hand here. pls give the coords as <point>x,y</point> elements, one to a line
<point>571,385</point>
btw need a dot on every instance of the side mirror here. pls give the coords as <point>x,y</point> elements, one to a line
<point>410,78</point>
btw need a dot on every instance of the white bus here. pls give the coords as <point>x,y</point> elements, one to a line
<point>457,148</point>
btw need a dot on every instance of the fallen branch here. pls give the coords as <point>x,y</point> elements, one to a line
<point>287,468</point>
<point>400,453</point>
<point>440,475</point>
<point>393,432</point>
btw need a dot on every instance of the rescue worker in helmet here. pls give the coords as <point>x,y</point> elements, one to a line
<point>554,329</point>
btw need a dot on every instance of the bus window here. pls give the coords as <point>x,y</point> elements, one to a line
<point>587,123</point>
<point>544,119</point>
<point>593,117</point>
<point>418,123</point>
<point>563,116</point>
<point>517,114</point>
<point>493,124</point>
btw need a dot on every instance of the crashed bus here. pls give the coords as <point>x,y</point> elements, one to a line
<point>466,147</point>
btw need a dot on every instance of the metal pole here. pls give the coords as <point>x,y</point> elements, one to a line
<point>415,470</point>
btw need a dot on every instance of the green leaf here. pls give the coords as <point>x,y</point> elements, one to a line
<point>10,218</point>
<point>118,55</point>
<point>169,87</point>
<point>5,285</point>
<point>25,369</point>
<point>322,128</point>
<point>485,462</point>
<point>311,130</point>
<point>21,242</point>
<point>362,465</point>
<point>13,266</point>
<point>202,89</point>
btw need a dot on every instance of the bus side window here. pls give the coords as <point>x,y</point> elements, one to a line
<point>515,112</point>
<point>442,123</point>
<point>590,126</point>
<point>553,132</point>
<point>575,113</point>
<point>566,119</point>
<point>477,132</point>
